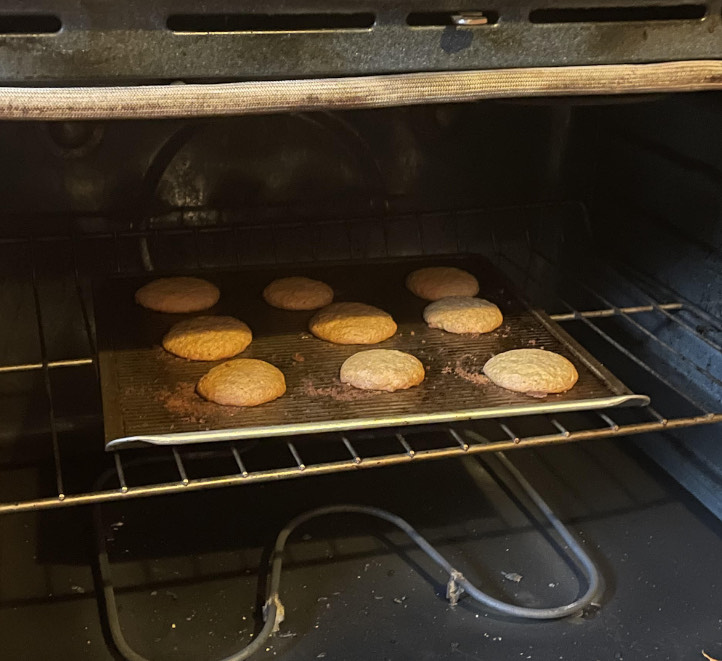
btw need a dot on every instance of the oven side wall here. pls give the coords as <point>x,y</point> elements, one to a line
<point>654,196</point>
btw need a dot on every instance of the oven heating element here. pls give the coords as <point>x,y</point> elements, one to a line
<point>457,585</point>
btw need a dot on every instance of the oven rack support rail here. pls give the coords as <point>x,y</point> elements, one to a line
<point>651,301</point>
<point>273,611</point>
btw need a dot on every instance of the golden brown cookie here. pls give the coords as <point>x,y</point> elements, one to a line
<point>352,323</point>
<point>242,382</point>
<point>437,282</point>
<point>297,293</point>
<point>463,314</point>
<point>207,338</point>
<point>382,369</point>
<point>182,294</point>
<point>531,371</point>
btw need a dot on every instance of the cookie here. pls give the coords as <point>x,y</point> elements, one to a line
<point>382,369</point>
<point>463,314</point>
<point>207,338</point>
<point>297,293</point>
<point>178,295</point>
<point>531,371</point>
<point>352,323</point>
<point>242,382</point>
<point>437,282</point>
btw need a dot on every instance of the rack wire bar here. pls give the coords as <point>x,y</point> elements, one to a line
<point>560,427</point>
<point>296,456</point>
<point>509,432</point>
<point>239,461</point>
<point>46,378</point>
<point>455,435</point>
<point>355,455</point>
<point>614,311</point>
<point>275,474</point>
<point>181,467</point>
<point>87,325</point>
<point>564,316</point>
<point>655,414</point>
<point>51,364</point>
<point>120,472</point>
<point>407,448</point>
<point>610,423</point>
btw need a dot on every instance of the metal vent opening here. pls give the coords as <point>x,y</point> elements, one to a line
<point>29,24</point>
<point>618,14</point>
<point>205,23</point>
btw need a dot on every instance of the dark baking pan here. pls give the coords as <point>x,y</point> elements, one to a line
<point>149,395</point>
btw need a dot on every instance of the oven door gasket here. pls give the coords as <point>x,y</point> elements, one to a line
<point>258,97</point>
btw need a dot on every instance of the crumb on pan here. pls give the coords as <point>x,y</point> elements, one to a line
<point>339,391</point>
<point>467,369</point>
<point>183,401</point>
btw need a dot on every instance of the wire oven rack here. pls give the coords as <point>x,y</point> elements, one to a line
<point>68,451</point>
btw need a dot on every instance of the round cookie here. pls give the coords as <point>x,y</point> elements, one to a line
<point>382,369</point>
<point>463,314</point>
<point>181,294</point>
<point>207,338</point>
<point>532,371</point>
<point>298,293</point>
<point>437,282</point>
<point>242,382</point>
<point>352,323</point>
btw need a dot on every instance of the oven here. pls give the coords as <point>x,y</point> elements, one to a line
<point>566,151</point>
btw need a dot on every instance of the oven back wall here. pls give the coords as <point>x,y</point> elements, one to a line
<point>309,165</point>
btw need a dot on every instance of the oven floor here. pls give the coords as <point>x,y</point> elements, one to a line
<point>185,568</point>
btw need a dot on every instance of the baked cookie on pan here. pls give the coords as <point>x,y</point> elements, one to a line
<point>242,382</point>
<point>207,338</point>
<point>531,371</point>
<point>435,282</point>
<point>463,314</point>
<point>298,293</point>
<point>352,323</point>
<point>382,369</point>
<point>177,295</point>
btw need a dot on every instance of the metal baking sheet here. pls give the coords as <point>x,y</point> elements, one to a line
<point>149,395</point>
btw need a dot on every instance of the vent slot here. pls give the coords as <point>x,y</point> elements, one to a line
<point>205,23</point>
<point>461,18</point>
<point>29,24</point>
<point>618,14</point>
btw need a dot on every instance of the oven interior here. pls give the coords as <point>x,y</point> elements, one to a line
<point>604,212</point>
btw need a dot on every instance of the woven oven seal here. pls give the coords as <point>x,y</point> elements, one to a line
<point>255,97</point>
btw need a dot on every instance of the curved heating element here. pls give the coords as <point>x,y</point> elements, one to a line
<point>457,585</point>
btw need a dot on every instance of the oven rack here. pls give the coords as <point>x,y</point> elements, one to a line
<point>157,471</point>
